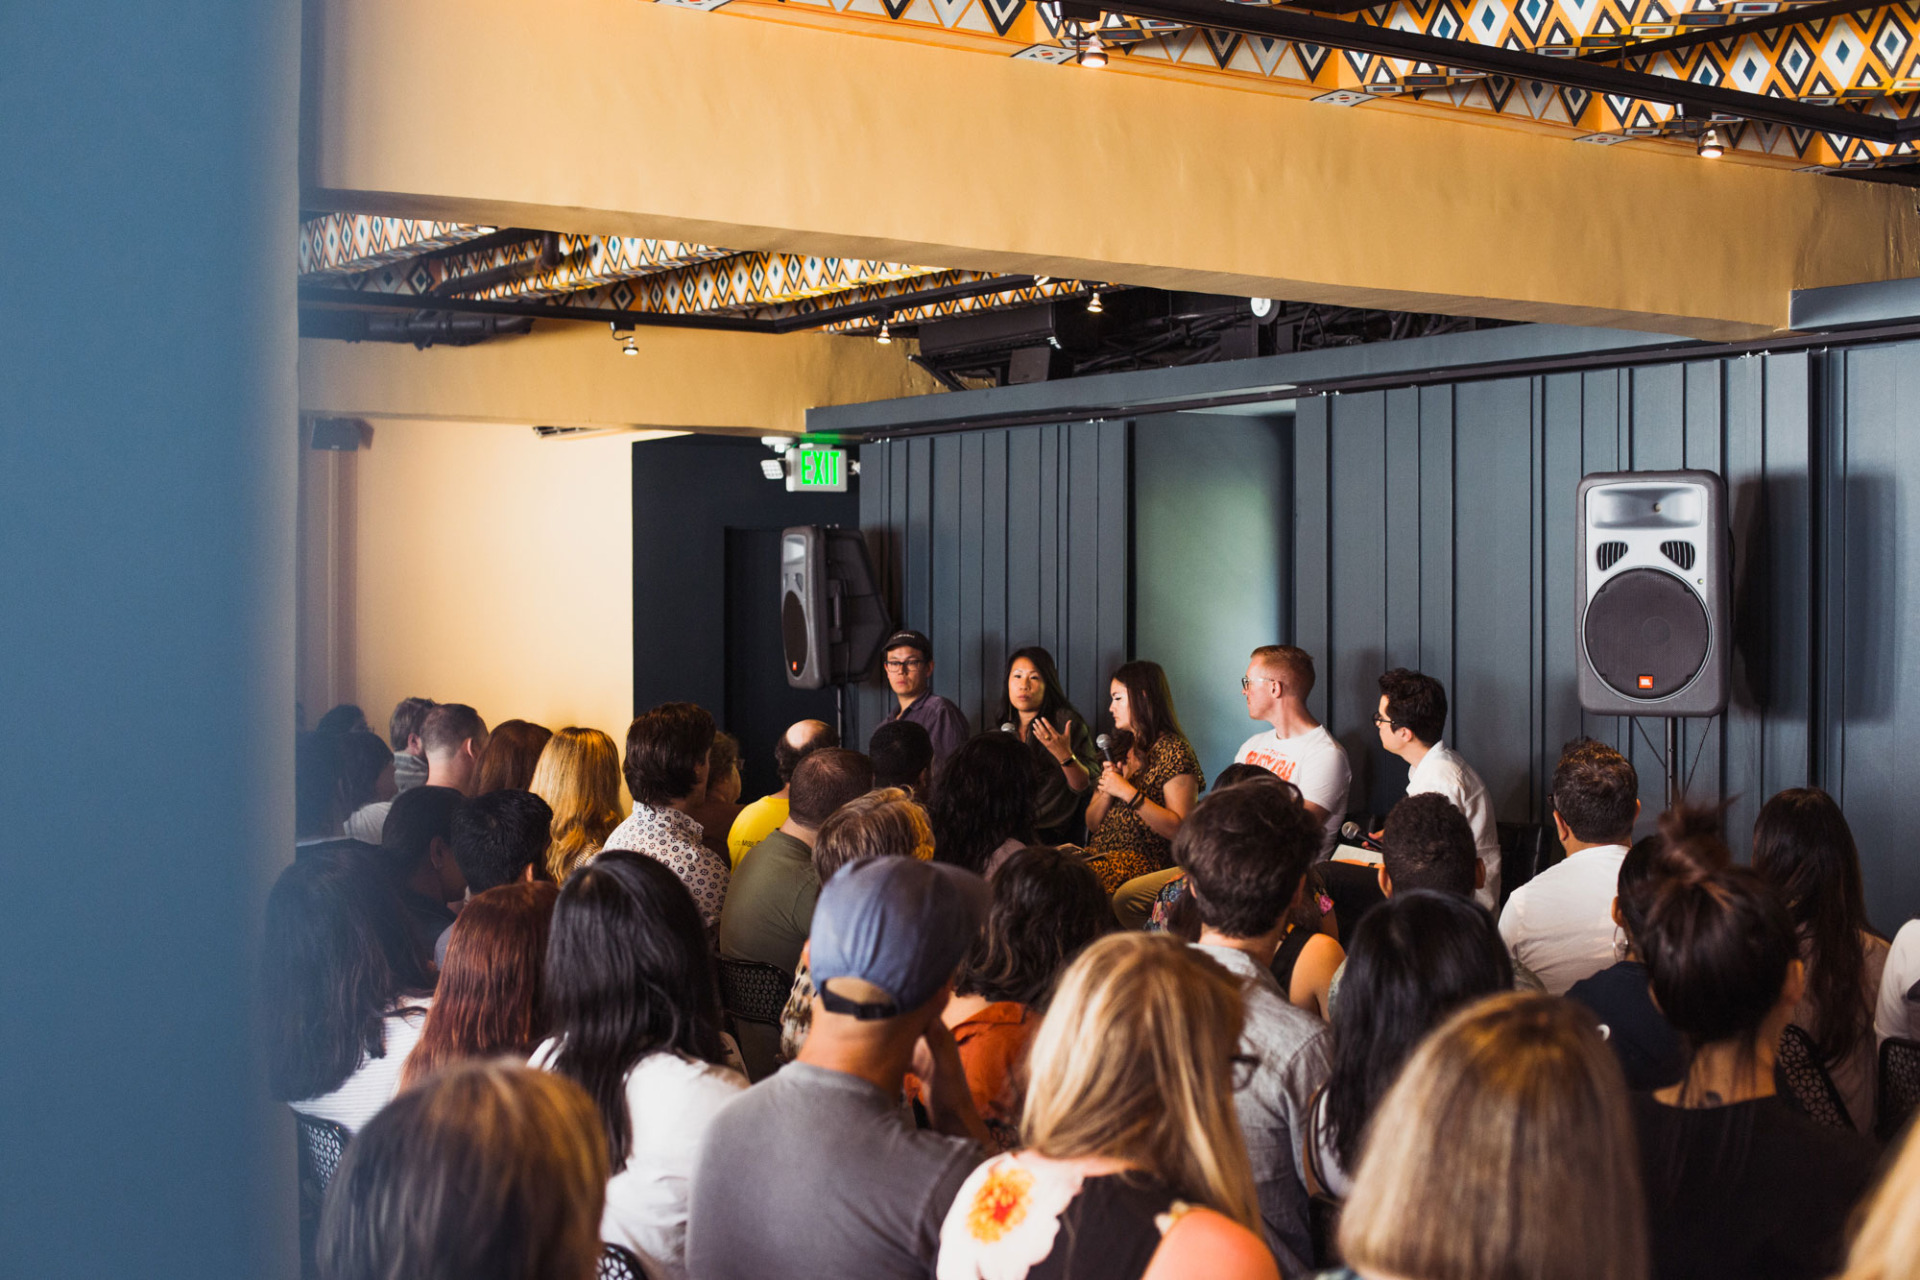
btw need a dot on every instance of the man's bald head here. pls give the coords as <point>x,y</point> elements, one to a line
<point>799,742</point>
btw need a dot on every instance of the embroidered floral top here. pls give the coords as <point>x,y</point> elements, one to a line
<point>1124,846</point>
<point>1020,1217</point>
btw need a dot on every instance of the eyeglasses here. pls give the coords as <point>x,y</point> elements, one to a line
<point>1246,684</point>
<point>1386,722</point>
<point>904,664</point>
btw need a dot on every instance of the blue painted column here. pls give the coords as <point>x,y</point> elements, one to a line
<point>148,202</point>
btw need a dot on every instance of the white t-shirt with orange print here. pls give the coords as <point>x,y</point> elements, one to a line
<point>1313,761</point>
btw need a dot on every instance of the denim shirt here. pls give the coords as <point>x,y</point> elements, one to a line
<point>1294,1055</point>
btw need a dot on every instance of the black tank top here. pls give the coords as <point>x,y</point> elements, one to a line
<point>1109,1231</point>
<point>1284,959</point>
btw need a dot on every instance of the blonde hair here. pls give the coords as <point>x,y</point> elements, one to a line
<point>579,776</point>
<point>488,1167</point>
<point>1504,1150</point>
<point>1134,1061</point>
<point>1296,662</point>
<point>1888,1246</point>
<point>879,824</point>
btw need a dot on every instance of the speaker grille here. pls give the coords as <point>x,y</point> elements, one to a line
<point>793,633</point>
<point>1647,634</point>
<point>1681,553</point>
<point>1608,554</point>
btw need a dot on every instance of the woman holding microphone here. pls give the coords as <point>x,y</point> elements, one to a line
<point>1145,793</point>
<point>1035,710</point>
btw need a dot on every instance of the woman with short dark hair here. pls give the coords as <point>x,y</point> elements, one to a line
<point>1035,710</point>
<point>1412,960</point>
<point>1738,1182</point>
<point>1804,848</point>
<point>982,803</point>
<point>347,989</point>
<point>636,1022</point>
<point>668,750</point>
<point>487,1169</point>
<point>1140,802</point>
<point>1047,907</point>
<point>492,994</point>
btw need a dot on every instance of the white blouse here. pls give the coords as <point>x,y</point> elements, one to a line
<point>375,1081</point>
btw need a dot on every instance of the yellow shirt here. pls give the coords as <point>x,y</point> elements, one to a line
<point>756,822</point>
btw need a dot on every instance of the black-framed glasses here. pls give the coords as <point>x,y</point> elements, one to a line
<point>1386,722</point>
<point>904,664</point>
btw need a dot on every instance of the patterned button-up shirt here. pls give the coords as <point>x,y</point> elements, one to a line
<point>671,837</point>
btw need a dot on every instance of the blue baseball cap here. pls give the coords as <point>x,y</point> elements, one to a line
<point>899,924</point>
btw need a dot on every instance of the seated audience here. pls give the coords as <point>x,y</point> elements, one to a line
<point>513,748</point>
<point>1651,1053</point>
<point>721,809</point>
<point>500,838</point>
<point>486,1170</point>
<point>636,1023</point>
<point>579,777</point>
<point>666,769</point>
<point>319,781</point>
<point>1739,1184</point>
<point>1411,717</point>
<point>1426,843</point>
<point>1559,925</point>
<point>1140,802</point>
<point>1898,1010</point>
<point>367,780</point>
<point>769,907</point>
<point>982,803</point>
<point>492,997</point>
<point>1413,960</point>
<point>1060,750</point>
<point>345,718</point>
<point>418,851</point>
<point>880,824</point>
<point>346,987</point>
<point>761,818</point>
<point>453,737</point>
<point>1804,848</point>
<point>818,1171</point>
<point>1132,1163</point>
<point>409,753</point>
<point>1047,907</point>
<point>1505,1149</point>
<point>1246,850</point>
<point>902,756</point>
<point>1887,1246</point>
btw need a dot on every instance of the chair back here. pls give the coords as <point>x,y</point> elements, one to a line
<point>320,1144</point>
<point>1805,1083</point>
<point>1521,847</point>
<point>754,992</point>
<point>617,1263</point>
<point>1899,1085</point>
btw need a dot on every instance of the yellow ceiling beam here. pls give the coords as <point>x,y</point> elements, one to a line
<point>573,375</point>
<point>672,123</point>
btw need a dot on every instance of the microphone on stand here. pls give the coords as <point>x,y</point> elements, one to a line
<point>1352,834</point>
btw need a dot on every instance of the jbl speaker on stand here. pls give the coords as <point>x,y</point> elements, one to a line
<point>832,617</point>
<point>1654,634</point>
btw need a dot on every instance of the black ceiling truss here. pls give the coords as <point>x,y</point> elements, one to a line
<point>1724,28</point>
<point>1574,73</point>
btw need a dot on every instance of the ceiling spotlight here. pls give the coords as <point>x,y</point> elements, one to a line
<point>1710,147</point>
<point>629,349</point>
<point>1093,304</point>
<point>1040,280</point>
<point>623,335</point>
<point>1092,53</point>
<point>885,339</point>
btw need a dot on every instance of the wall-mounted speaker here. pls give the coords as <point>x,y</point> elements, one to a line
<point>1654,634</point>
<point>832,617</point>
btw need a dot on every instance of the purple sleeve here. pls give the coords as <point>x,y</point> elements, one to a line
<point>947,727</point>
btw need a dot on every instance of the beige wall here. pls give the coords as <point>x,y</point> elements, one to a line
<point>472,563</point>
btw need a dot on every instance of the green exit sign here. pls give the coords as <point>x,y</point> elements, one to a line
<point>819,470</point>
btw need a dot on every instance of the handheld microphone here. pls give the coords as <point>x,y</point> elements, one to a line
<point>1352,834</point>
<point>1008,728</point>
<point>1106,749</point>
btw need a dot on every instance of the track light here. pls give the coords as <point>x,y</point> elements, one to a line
<point>623,335</point>
<point>1710,147</point>
<point>1093,304</point>
<point>1093,53</point>
<point>629,349</point>
<point>1038,281</point>
<point>885,339</point>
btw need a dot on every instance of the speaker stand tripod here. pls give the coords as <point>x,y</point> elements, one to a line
<point>1676,782</point>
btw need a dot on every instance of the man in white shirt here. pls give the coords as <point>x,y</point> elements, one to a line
<point>1411,718</point>
<point>1560,924</point>
<point>1297,748</point>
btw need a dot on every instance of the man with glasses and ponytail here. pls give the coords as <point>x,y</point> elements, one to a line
<point>909,664</point>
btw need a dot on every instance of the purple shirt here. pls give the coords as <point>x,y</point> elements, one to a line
<point>940,718</point>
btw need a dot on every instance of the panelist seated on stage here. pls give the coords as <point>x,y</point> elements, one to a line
<point>909,667</point>
<point>1560,923</point>
<point>1412,714</point>
<point>1297,748</point>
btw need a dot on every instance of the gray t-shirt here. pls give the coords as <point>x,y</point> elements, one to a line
<point>816,1173</point>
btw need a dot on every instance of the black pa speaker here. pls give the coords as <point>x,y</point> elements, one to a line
<point>1654,634</point>
<point>832,619</point>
